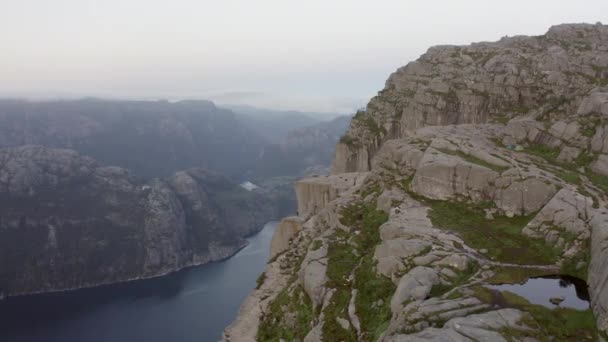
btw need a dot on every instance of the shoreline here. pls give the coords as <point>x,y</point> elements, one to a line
<point>225,257</point>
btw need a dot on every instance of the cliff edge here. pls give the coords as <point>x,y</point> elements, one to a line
<point>475,166</point>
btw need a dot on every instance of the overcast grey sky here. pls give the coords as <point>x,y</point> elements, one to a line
<point>310,55</point>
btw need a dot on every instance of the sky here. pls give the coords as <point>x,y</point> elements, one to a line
<point>329,55</point>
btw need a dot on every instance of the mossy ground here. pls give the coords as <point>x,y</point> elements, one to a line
<point>289,318</point>
<point>557,324</point>
<point>474,160</point>
<point>501,236</point>
<point>351,266</point>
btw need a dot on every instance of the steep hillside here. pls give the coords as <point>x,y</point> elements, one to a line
<point>476,166</point>
<point>150,138</point>
<point>67,221</point>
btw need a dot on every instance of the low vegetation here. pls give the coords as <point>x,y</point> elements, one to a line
<point>501,236</point>
<point>351,267</point>
<point>557,324</point>
<point>474,160</point>
<point>289,318</point>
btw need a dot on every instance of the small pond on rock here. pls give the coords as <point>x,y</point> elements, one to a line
<point>540,290</point>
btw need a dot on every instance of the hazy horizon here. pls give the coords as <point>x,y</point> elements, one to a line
<point>316,56</point>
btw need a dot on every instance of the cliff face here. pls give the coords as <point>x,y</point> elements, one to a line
<point>543,77</point>
<point>68,221</point>
<point>476,165</point>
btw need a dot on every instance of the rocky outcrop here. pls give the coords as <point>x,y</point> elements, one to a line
<point>313,194</point>
<point>544,77</point>
<point>598,273</point>
<point>480,167</point>
<point>88,224</point>
<point>283,235</point>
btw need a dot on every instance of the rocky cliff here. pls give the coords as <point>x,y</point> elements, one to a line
<point>475,166</point>
<point>67,221</point>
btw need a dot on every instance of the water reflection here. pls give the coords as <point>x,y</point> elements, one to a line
<point>540,290</point>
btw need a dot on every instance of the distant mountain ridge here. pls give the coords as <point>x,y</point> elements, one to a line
<point>151,138</point>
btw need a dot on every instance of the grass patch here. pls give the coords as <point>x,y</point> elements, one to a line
<point>349,141</point>
<point>515,275</point>
<point>598,180</point>
<point>550,154</point>
<point>357,255</point>
<point>316,245</point>
<point>371,288</point>
<point>501,236</point>
<point>338,307</point>
<point>474,160</point>
<point>550,324</point>
<point>260,281</point>
<point>569,176</point>
<point>463,277</point>
<point>569,266</point>
<point>289,317</point>
<point>341,260</point>
<point>369,123</point>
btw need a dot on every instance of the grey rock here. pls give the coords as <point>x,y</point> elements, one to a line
<point>601,165</point>
<point>415,285</point>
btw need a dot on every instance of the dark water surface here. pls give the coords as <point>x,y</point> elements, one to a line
<point>194,304</point>
<point>541,290</point>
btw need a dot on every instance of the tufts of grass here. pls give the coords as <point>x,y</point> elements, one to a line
<point>462,278</point>
<point>260,281</point>
<point>515,275</point>
<point>549,324</point>
<point>289,317</point>
<point>371,288</point>
<point>501,236</point>
<point>474,160</point>
<point>550,154</point>
<point>355,257</point>
<point>337,308</point>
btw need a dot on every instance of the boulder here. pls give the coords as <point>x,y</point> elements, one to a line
<point>414,285</point>
<point>443,176</point>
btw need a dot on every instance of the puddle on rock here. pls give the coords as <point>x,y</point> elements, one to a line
<point>540,291</point>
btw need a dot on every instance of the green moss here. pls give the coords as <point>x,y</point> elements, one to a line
<point>598,180</point>
<point>341,260</point>
<point>515,275</point>
<point>550,154</point>
<point>587,128</point>
<point>501,236</point>
<point>367,121</point>
<point>316,244</point>
<point>569,176</point>
<point>370,289</point>
<point>371,189</point>
<point>356,257</point>
<point>569,266</point>
<point>289,317</point>
<point>474,160</point>
<point>260,281</point>
<point>462,277</point>
<point>337,307</point>
<point>349,141</point>
<point>560,324</point>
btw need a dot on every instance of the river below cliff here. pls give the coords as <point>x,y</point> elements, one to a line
<point>194,304</point>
